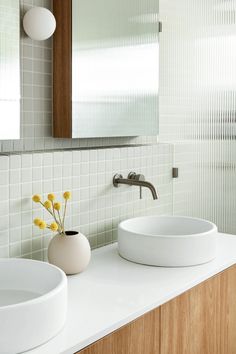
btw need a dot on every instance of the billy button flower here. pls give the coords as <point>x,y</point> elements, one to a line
<point>37,221</point>
<point>53,226</point>
<point>42,225</point>
<point>67,195</point>
<point>47,204</point>
<point>57,206</point>
<point>36,198</point>
<point>51,197</point>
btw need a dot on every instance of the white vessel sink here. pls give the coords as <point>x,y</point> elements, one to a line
<point>33,303</point>
<point>168,241</point>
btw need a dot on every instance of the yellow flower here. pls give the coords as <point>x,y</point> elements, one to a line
<point>57,206</point>
<point>36,198</point>
<point>37,221</point>
<point>42,225</point>
<point>54,226</point>
<point>51,197</point>
<point>47,204</point>
<point>67,195</point>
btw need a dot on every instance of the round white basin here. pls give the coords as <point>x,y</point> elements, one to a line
<point>168,241</point>
<point>33,304</point>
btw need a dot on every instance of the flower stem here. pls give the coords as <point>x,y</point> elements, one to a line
<point>61,224</point>
<point>64,215</point>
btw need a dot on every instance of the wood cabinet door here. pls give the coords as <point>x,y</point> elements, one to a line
<point>202,320</point>
<point>138,337</point>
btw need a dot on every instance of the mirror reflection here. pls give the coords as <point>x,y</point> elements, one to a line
<point>115,60</point>
<point>9,69</point>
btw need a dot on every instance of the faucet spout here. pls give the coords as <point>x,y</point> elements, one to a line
<point>118,179</point>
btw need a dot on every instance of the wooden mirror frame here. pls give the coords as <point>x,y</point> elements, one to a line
<point>62,69</point>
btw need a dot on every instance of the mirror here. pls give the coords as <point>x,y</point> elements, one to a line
<point>10,69</point>
<point>114,56</point>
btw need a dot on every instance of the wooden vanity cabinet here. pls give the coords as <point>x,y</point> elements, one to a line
<point>200,321</point>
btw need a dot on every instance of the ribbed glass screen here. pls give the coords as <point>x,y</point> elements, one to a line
<point>198,105</point>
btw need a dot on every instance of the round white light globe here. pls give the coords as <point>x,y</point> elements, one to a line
<point>39,23</point>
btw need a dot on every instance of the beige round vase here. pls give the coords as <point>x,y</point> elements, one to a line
<point>71,253</point>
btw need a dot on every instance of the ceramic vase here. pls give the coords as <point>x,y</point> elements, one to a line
<point>71,253</point>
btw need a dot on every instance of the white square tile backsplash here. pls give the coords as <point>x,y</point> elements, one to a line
<point>96,206</point>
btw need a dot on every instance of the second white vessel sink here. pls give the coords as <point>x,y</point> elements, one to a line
<point>169,241</point>
<point>33,304</point>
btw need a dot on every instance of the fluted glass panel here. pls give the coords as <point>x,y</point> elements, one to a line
<point>115,55</point>
<point>197,105</point>
<point>9,69</point>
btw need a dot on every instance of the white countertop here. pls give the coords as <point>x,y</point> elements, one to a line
<point>113,292</point>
